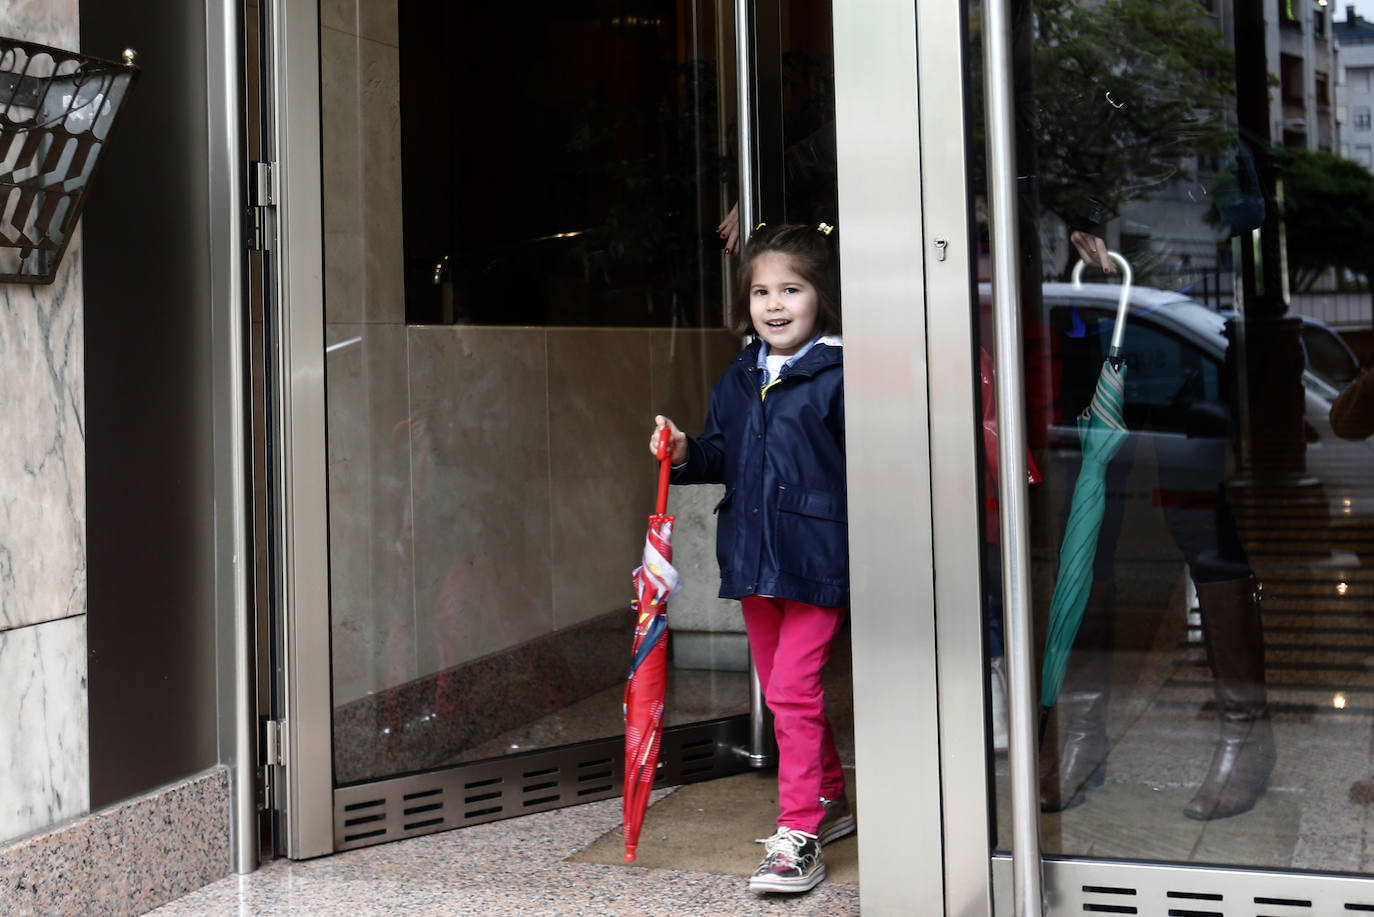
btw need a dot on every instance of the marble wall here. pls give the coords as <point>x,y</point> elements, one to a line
<point>371,592</point>
<point>531,483</point>
<point>490,485</point>
<point>44,772</point>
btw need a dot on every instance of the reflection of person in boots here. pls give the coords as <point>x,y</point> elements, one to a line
<point>1200,523</point>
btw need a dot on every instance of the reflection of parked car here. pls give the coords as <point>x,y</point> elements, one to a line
<point>1326,353</point>
<point>1329,357</point>
<point>1175,350</point>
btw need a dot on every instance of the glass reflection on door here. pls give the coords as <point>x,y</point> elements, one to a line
<point>520,268</point>
<point>1216,703</point>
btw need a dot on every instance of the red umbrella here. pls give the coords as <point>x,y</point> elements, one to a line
<point>655,580</point>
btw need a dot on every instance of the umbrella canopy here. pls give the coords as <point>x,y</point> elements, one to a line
<point>1101,430</point>
<point>655,580</point>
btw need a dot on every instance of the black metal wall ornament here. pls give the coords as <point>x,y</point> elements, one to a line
<point>57,109</point>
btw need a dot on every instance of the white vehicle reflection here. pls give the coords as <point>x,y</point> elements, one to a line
<point>1175,351</point>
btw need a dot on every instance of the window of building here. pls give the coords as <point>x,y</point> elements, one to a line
<point>1364,155</point>
<point>1323,92</point>
<point>1360,119</point>
<point>1290,76</point>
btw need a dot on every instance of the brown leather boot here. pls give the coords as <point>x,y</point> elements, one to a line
<point>1244,755</point>
<point>1076,759</point>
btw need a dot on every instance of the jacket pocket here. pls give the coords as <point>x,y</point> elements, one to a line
<point>723,500</point>
<point>725,534</point>
<point>813,534</point>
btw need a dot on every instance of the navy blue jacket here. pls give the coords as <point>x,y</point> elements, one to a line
<point>782,526</point>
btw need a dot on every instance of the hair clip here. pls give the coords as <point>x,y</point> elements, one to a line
<point>824,229</point>
<point>760,226</point>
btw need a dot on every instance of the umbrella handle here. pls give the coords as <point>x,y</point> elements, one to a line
<point>1119,329</point>
<point>664,469</point>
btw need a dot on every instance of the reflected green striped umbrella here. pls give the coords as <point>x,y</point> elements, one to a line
<point>1101,430</point>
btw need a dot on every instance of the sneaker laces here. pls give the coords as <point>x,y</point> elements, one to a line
<point>785,841</point>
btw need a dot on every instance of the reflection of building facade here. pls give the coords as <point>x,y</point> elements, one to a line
<point>1168,234</point>
<point>1301,112</point>
<point>1355,91</point>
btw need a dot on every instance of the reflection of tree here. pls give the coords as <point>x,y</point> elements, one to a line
<point>1129,94</point>
<point>1326,209</point>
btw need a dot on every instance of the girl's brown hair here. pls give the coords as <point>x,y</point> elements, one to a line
<point>812,252</point>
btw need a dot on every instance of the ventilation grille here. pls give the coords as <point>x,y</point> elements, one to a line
<point>1078,887</point>
<point>468,794</point>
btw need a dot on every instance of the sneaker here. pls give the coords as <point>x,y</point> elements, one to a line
<point>791,863</point>
<point>838,821</point>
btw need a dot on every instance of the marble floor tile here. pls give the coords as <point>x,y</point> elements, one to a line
<point>502,868</point>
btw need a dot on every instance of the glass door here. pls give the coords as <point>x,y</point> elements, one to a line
<point>515,278</point>
<point>499,261</point>
<point>1185,534</point>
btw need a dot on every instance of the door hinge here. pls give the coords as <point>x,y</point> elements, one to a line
<point>269,769</point>
<point>262,196</point>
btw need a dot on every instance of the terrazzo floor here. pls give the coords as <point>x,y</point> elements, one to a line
<point>502,868</point>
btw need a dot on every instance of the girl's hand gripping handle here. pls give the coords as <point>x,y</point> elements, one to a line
<point>664,456</point>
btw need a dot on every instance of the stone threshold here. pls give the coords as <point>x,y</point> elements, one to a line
<point>126,859</point>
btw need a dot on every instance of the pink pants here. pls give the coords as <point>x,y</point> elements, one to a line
<point>790,643</point>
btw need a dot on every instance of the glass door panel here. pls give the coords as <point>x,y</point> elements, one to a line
<point>1214,707</point>
<point>520,270</point>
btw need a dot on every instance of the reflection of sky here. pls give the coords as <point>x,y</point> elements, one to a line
<point>1363,8</point>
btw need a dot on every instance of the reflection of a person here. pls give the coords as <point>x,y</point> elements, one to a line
<point>1199,521</point>
<point>1352,413</point>
<point>1191,495</point>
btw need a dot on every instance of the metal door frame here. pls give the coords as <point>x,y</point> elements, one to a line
<point>300,525</point>
<point>917,712</point>
<point>317,817</point>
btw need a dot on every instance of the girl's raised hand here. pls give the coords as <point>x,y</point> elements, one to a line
<point>677,440</point>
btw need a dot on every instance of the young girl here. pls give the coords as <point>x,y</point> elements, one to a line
<point>775,438</point>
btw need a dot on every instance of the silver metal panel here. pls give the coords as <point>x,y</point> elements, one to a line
<point>150,512</point>
<point>954,428</point>
<point>744,81</point>
<point>887,436</point>
<point>380,811</point>
<point>1011,456</point>
<point>1085,886</point>
<point>759,749</point>
<point>302,524</point>
<point>233,611</point>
